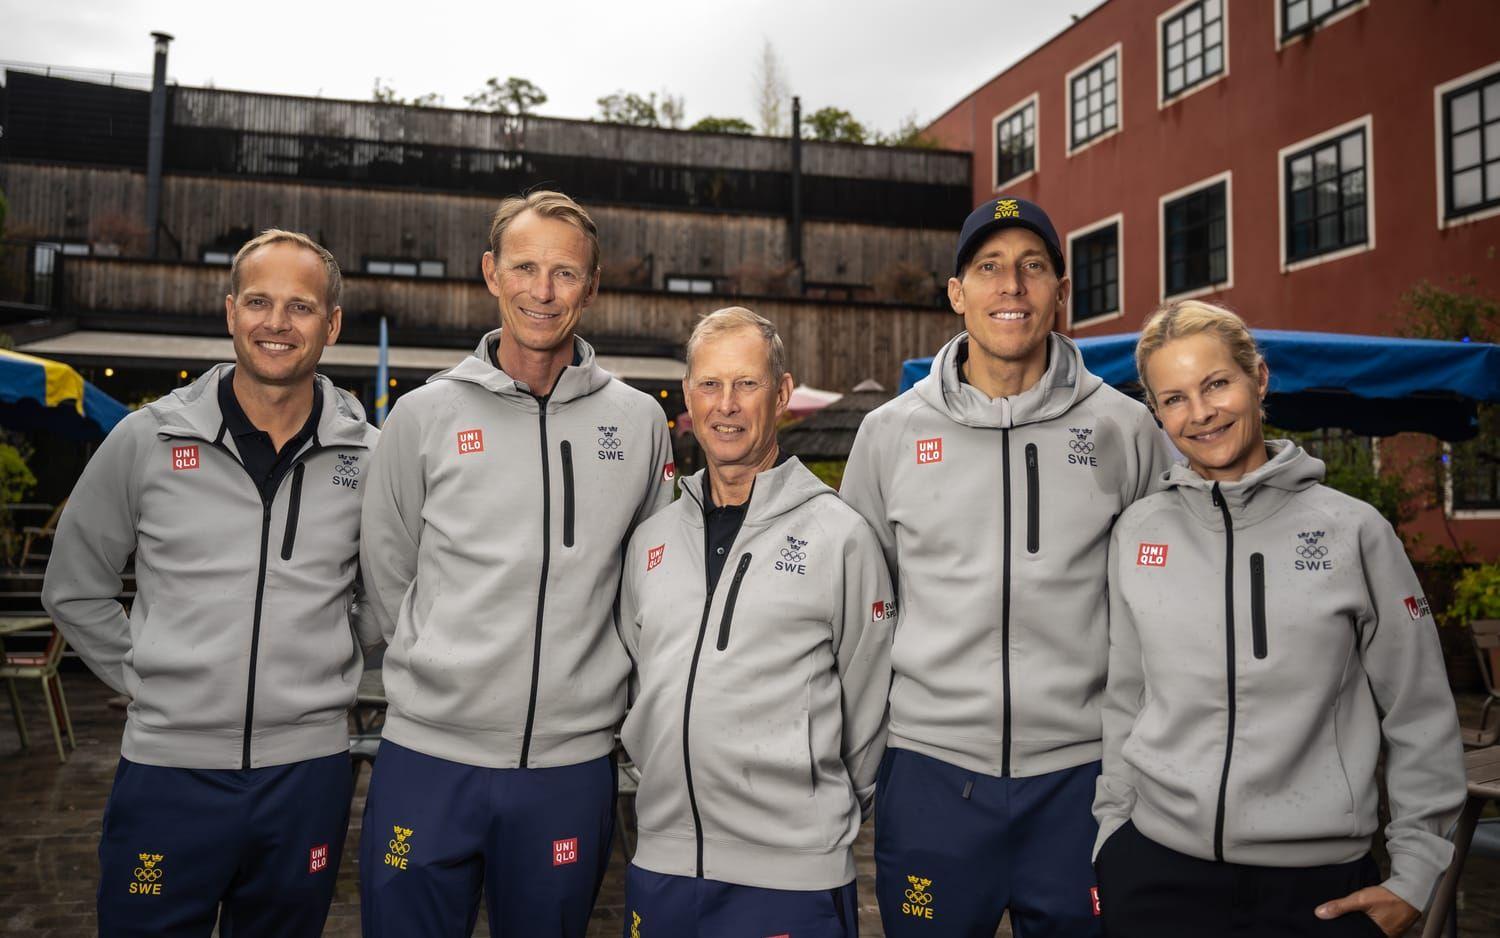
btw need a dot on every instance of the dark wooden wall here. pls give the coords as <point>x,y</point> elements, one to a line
<point>106,205</point>
<point>829,345</point>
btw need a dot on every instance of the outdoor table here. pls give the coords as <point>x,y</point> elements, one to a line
<point>1483,768</point>
<point>10,625</point>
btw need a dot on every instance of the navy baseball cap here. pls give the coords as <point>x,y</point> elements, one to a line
<point>1006,212</point>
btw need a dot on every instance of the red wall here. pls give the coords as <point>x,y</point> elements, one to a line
<point>1383,59</point>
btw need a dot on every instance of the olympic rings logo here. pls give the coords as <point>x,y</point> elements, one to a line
<point>919,897</point>
<point>1081,447</point>
<point>400,847</point>
<point>346,469</point>
<point>609,442</point>
<point>1312,551</point>
<point>794,556</point>
<point>147,876</point>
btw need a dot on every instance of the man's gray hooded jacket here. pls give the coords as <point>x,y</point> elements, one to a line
<point>239,650</point>
<point>994,516</point>
<point>494,526</point>
<point>1266,636</point>
<point>759,720</point>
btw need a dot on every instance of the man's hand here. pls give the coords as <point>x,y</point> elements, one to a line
<point>1392,914</point>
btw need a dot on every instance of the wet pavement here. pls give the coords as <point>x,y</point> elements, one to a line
<point>51,819</point>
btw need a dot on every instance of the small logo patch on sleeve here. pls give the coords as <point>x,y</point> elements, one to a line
<point>184,457</point>
<point>1151,555</point>
<point>1417,606</point>
<point>881,610</point>
<point>653,556</point>
<point>669,472</point>
<point>470,441</point>
<point>565,851</point>
<point>929,451</point>
<point>317,859</point>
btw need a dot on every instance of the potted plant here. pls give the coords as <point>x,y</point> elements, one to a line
<point>1476,598</point>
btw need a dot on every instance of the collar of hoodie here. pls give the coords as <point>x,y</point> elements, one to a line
<point>1065,382</point>
<point>576,381</point>
<point>1255,496</point>
<point>194,411</point>
<point>776,491</point>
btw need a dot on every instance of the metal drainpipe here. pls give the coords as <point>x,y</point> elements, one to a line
<point>795,238</point>
<point>155,143</point>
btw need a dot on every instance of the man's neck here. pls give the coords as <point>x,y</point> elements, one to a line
<point>997,377</point>
<point>275,409</point>
<point>537,370</point>
<point>731,485</point>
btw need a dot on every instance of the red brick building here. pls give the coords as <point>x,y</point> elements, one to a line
<point>1306,162</point>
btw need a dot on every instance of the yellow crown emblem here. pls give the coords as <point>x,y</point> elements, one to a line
<point>149,860</point>
<point>1007,208</point>
<point>402,833</point>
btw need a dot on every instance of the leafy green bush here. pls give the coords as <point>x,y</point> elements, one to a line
<point>1476,595</point>
<point>831,471</point>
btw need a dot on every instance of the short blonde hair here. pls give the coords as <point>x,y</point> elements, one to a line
<point>335,286</point>
<point>733,319</point>
<point>548,204</point>
<point>1190,317</point>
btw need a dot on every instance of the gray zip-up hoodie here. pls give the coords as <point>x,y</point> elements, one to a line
<point>1266,636</point>
<point>494,526</point>
<point>994,516</point>
<point>760,718</point>
<point>239,650</point>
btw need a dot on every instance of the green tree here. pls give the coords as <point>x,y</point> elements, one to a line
<point>908,134</point>
<point>834,125</point>
<point>672,110</point>
<point>1464,314</point>
<point>384,93</point>
<point>629,108</point>
<point>723,125</point>
<point>515,96</point>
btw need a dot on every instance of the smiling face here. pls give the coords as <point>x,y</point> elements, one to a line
<point>543,281</point>
<point>280,320</point>
<point>1009,297</point>
<point>1209,406</point>
<point>734,400</point>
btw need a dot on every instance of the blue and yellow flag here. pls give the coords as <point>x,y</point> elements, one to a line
<point>382,377</point>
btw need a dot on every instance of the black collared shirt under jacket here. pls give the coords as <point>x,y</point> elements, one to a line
<point>259,455</point>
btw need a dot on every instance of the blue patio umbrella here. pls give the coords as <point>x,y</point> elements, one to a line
<point>1372,385</point>
<point>46,395</point>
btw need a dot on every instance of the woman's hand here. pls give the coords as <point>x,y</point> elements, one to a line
<point>1392,914</point>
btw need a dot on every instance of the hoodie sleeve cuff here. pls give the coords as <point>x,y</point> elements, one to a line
<point>1413,879</point>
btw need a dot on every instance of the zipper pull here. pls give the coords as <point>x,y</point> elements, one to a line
<point>1218,497</point>
<point>1031,457</point>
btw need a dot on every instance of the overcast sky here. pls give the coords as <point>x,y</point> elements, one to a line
<point>880,59</point>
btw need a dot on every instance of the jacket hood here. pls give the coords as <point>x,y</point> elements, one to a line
<point>576,381</point>
<point>1255,496</point>
<point>777,491</point>
<point>194,411</point>
<point>1065,382</point>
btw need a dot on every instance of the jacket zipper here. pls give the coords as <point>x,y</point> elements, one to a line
<point>567,458</point>
<point>1223,506</point>
<point>687,706</point>
<point>541,595</point>
<point>1005,606</point>
<point>734,593</point>
<point>1033,502</point>
<point>1258,603</point>
<point>293,509</point>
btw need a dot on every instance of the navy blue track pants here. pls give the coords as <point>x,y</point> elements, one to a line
<point>438,833</point>
<point>255,850</point>
<point>662,906</point>
<point>955,849</point>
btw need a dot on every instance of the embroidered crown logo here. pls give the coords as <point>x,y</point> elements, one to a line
<point>148,875</point>
<point>608,438</point>
<point>1082,442</point>
<point>1007,208</point>
<point>398,847</point>
<point>1310,548</point>
<point>793,550</point>
<point>918,899</point>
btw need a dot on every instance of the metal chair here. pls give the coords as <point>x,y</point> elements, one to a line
<point>1486,636</point>
<point>41,666</point>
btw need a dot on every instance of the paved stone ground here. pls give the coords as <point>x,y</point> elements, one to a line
<point>50,816</point>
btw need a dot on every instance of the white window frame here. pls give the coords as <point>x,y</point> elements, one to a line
<point>1366,123</point>
<point>1034,99</point>
<point>1114,50</point>
<point>1162,101</point>
<point>1226,177</point>
<point>1437,138</point>
<point>1334,17</point>
<point>1460,514</point>
<point>1118,220</point>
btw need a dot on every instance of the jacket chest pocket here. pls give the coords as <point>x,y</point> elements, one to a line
<point>1033,501</point>
<point>568,496</point>
<point>1258,604</point>
<point>727,619</point>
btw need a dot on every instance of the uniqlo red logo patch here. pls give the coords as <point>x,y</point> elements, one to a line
<point>1094,898</point>
<point>184,457</point>
<point>1417,606</point>
<point>669,472</point>
<point>565,851</point>
<point>929,451</point>
<point>317,859</point>
<point>470,441</point>
<point>1152,555</point>
<point>653,556</point>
